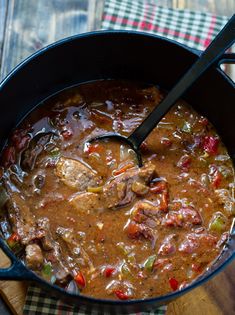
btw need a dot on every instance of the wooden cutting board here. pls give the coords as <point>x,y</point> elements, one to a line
<point>216,297</point>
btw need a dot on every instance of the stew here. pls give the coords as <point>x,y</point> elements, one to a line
<point>85,217</point>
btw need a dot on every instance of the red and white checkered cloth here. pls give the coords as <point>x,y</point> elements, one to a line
<point>195,29</point>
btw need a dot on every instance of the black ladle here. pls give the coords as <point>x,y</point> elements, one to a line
<point>224,40</point>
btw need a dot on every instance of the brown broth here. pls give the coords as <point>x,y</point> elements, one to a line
<point>114,264</point>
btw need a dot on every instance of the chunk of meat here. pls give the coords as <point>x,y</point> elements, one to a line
<point>87,201</point>
<point>76,255</point>
<point>54,255</point>
<point>22,219</point>
<point>139,188</point>
<point>161,188</point>
<point>75,174</point>
<point>168,246</point>
<point>184,217</point>
<point>135,231</point>
<point>160,263</point>
<point>34,257</point>
<point>198,243</point>
<point>118,192</point>
<point>144,210</point>
<point>20,138</point>
<point>35,148</point>
<point>8,156</point>
<point>47,240</point>
<point>190,216</point>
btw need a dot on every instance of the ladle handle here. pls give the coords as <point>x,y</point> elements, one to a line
<point>211,55</point>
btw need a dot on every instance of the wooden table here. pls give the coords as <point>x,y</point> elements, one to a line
<point>28,25</point>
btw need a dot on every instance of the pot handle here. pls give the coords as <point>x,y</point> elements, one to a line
<point>227,58</point>
<point>17,270</point>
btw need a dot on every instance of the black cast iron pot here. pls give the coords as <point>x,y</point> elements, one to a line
<point>119,55</point>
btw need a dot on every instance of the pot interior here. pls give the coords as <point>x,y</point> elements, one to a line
<point>118,55</point>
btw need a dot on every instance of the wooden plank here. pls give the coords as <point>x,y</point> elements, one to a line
<point>95,12</point>
<point>215,297</point>
<point>13,292</point>
<point>33,24</point>
<point>219,7</point>
<point>3,10</point>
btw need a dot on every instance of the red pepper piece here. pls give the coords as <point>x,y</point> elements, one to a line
<point>203,121</point>
<point>217,179</point>
<point>196,268</point>
<point>210,144</point>
<point>184,162</point>
<point>144,147</point>
<point>158,187</point>
<point>1,172</point>
<point>109,271</point>
<point>166,142</point>
<point>79,279</point>
<point>121,295</point>
<point>133,230</point>
<point>13,239</point>
<point>8,156</point>
<point>174,284</point>
<point>164,201</point>
<point>123,169</point>
<point>93,148</point>
<point>67,134</point>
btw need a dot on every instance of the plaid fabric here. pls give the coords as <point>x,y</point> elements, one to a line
<point>38,303</point>
<point>195,29</point>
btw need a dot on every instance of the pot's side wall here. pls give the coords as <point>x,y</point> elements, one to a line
<point>107,55</point>
<point>115,55</point>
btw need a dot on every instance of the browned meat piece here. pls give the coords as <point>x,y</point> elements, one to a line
<point>76,255</point>
<point>135,231</point>
<point>167,247</point>
<point>34,257</point>
<point>62,275</point>
<point>118,192</point>
<point>60,266</point>
<point>87,201</point>
<point>173,218</point>
<point>184,217</point>
<point>47,241</point>
<point>76,175</point>
<point>35,148</point>
<point>139,188</point>
<point>198,243</point>
<point>144,210</point>
<point>22,219</point>
<point>190,216</point>
<point>161,263</point>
